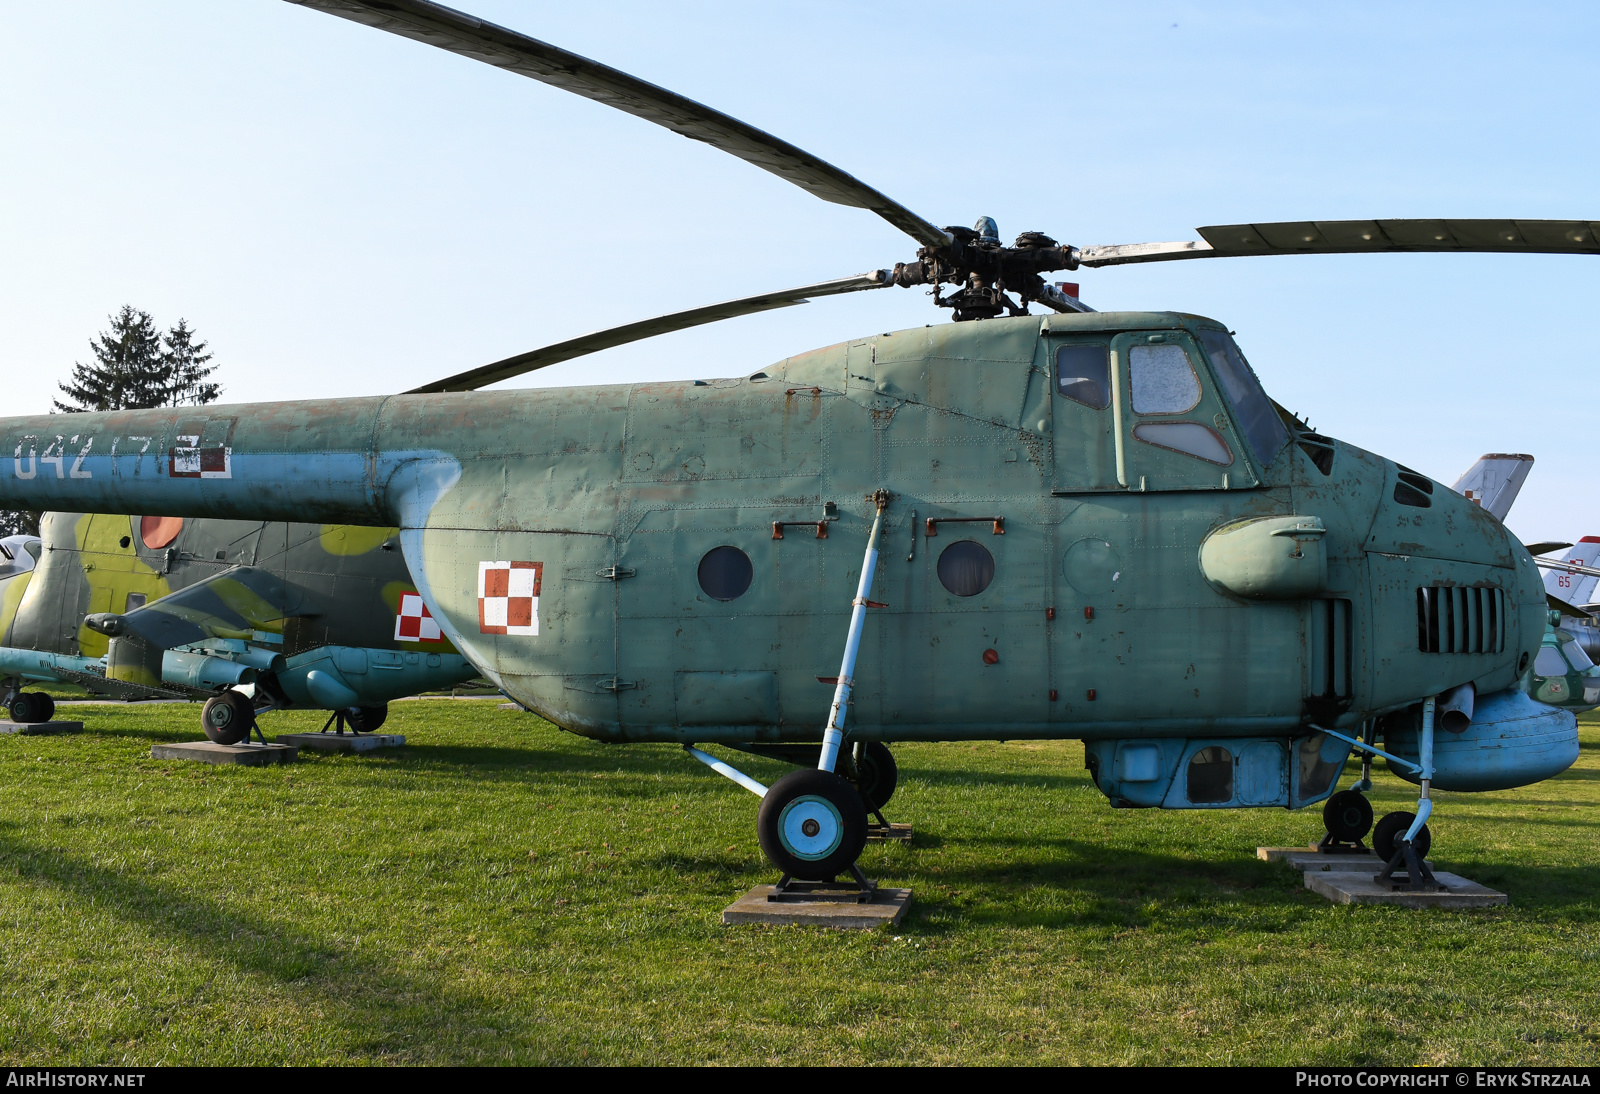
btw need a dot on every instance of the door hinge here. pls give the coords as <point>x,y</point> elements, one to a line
<point>614,573</point>
<point>615,684</point>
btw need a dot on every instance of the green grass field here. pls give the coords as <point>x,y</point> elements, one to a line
<point>501,892</point>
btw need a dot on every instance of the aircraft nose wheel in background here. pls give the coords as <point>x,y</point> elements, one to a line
<point>812,825</point>
<point>1347,816</point>
<point>227,718</point>
<point>32,707</point>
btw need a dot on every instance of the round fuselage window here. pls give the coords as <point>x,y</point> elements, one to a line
<point>966,567</point>
<point>725,573</point>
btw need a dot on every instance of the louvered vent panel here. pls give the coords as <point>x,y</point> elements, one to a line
<point>1330,649</point>
<point>1452,619</point>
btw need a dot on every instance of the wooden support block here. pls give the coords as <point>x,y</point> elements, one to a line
<point>887,908</point>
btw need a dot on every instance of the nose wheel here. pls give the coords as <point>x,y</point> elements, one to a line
<point>228,718</point>
<point>1347,816</point>
<point>31,707</point>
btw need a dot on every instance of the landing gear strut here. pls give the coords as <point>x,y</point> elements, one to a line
<point>359,719</point>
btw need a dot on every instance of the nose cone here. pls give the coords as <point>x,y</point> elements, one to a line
<point>1456,598</point>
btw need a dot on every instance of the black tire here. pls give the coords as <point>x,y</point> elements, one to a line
<point>812,825</point>
<point>227,718</point>
<point>1347,816</point>
<point>1386,836</point>
<point>366,719</point>
<point>31,707</point>
<point>876,775</point>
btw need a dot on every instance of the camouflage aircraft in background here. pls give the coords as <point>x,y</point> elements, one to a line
<point>305,615</point>
<point>1563,673</point>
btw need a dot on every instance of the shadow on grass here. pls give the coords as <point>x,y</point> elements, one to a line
<point>384,1010</point>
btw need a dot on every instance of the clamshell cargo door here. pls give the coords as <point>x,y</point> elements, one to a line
<point>537,610</point>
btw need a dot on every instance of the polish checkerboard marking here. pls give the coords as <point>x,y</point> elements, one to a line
<point>414,623</point>
<point>508,597</point>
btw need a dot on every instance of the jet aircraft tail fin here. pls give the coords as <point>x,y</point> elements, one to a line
<point>1495,480</point>
<point>1575,588</point>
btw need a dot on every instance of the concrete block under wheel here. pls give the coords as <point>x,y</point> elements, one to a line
<point>209,752</point>
<point>1298,858</point>
<point>1347,887</point>
<point>341,742</point>
<point>40,729</point>
<point>888,908</point>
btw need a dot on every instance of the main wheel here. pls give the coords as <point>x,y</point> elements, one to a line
<point>1347,816</point>
<point>1386,836</point>
<point>31,707</point>
<point>366,719</point>
<point>876,775</point>
<point>812,824</point>
<point>227,718</point>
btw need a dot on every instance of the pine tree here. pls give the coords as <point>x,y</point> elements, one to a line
<point>185,360</point>
<point>136,367</point>
<point>18,522</point>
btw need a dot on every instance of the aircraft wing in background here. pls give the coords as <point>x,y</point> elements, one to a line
<point>240,602</point>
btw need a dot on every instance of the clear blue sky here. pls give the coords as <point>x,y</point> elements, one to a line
<point>342,212</point>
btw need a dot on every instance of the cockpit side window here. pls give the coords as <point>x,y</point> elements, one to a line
<point>1083,374</point>
<point>1262,427</point>
<point>1162,380</point>
<point>1549,662</point>
<point>1575,656</point>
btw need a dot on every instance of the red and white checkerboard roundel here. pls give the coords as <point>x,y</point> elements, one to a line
<point>414,624</point>
<point>508,597</point>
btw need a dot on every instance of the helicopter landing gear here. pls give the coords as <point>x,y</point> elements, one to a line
<point>1400,854</point>
<point>359,719</point>
<point>813,826</point>
<point>1347,816</point>
<point>1402,840</point>
<point>31,707</point>
<point>228,718</point>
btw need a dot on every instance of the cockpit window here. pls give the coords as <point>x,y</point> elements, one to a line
<point>1162,380</point>
<point>1549,662</point>
<point>1576,657</point>
<point>1083,374</point>
<point>1262,427</point>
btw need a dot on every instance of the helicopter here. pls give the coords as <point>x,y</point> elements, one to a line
<point>1076,525</point>
<point>244,616</point>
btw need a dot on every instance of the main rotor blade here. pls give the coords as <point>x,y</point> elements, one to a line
<point>1354,236</point>
<point>471,37</point>
<point>484,375</point>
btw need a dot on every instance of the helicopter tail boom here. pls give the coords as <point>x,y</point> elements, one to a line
<point>298,461</point>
